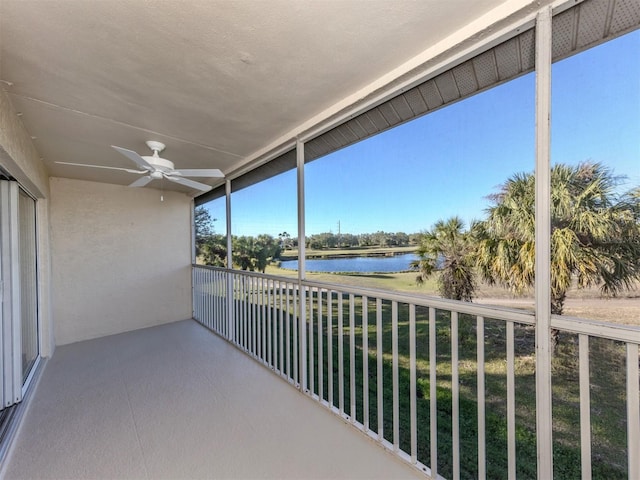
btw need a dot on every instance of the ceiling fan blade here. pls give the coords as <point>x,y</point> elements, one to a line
<point>189,183</point>
<point>135,158</point>
<point>101,166</point>
<point>142,181</point>
<point>199,172</point>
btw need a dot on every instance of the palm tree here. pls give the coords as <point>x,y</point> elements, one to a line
<point>447,249</point>
<point>595,233</point>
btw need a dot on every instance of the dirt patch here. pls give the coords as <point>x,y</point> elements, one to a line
<point>624,310</point>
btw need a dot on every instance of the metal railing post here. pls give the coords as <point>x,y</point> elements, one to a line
<point>229,295</point>
<point>302,331</point>
<point>544,430</point>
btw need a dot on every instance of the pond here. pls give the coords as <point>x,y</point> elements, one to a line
<point>395,263</point>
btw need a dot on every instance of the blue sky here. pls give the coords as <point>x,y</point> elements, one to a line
<point>447,162</point>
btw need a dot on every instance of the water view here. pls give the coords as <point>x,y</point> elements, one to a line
<point>395,263</point>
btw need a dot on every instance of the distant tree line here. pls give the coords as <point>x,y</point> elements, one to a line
<point>326,240</point>
<point>255,253</point>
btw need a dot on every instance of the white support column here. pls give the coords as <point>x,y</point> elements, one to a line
<point>301,267</point>
<point>229,263</point>
<point>542,249</point>
<point>192,222</point>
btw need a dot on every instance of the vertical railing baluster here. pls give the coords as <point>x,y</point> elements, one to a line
<point>413,422</point>
<point>220,298</point>
<point>288,330</point>
<point>511,403</point>
<point>201,300</point>
<point>195,273</point>
<point>320,349</point>
<point>229,287</point>
<point>217,311</point>
<point>228,304</point>
<point>482,452</point>
<point>252,322</point>
<point>269,326</point>
<point>245,314</point>
<point>585,406</point>
<point>197,293</point>
<point>633,413</point>
<point>273,314</point>
<point>217,315</point>
<point>218,321</point>
<point>365,363</point>
<point>263,322</point>
<point>352,357</point>
<point>295,334</point>
<point>225,299</point>
<point>215,305</point>
<point>330,346</point>
<point>395,376</point>
<point>274,326</point>
<point>201,297</point>
<point>242,310</point>
<point>379,359</point>
<point>256,313</point>
<point>195,299</point>
<point>455,396</point>
<point>239,312</point>
<point>312,351</point>
<point>433,395</point>
<point>281,327</point>
<point>304,385</point>
<point>340,356</point>
<point>258,316</point>
<point>209,318</point>
<point>207,297</point>
<point>215,275</point>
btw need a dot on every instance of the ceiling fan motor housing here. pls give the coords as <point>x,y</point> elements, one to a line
<point>159,163</point>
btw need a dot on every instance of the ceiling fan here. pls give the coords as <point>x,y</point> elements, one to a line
<point>155,167</point>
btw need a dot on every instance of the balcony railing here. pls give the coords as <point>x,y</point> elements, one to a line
<point>447,386</point>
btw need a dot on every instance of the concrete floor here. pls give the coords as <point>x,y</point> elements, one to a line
<point>176,401</point>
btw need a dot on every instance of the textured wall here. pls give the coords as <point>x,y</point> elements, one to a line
<point>120,258</point>
<point>18,155</point>
<point>20,158</point>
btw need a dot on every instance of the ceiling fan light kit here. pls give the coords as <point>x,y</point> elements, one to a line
<point>155,167</point>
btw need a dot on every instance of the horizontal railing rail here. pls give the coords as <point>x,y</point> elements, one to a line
<point>447,386</point>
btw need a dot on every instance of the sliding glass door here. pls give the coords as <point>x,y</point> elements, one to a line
<point>19,341</point>
<point>28,285</point>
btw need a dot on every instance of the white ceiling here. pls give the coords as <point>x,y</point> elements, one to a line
<point>216,81</point>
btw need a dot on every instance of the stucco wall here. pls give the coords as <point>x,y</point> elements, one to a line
<point>20,158</point>
<point>18,155</point>
<point>120,258</point>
